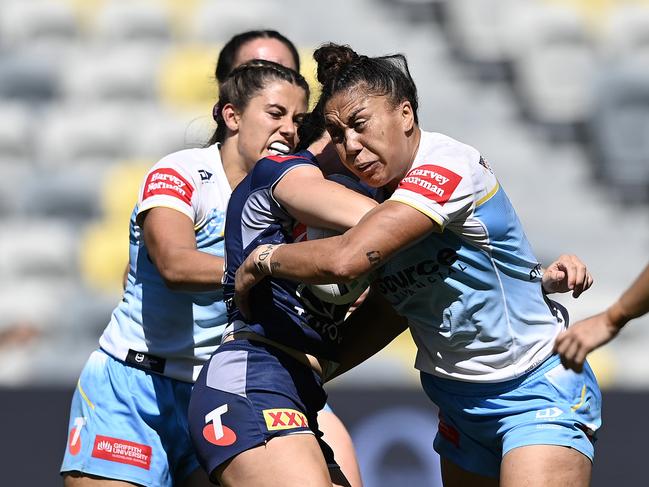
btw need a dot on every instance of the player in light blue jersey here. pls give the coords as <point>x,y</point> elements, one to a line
<point>453,259</point>
<point>128,419</point>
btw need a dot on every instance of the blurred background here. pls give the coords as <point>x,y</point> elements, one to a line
<point>554,93</point>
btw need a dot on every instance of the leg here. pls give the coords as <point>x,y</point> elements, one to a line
<point>337,437</point>
<point>80,479</point>
<point>543,465</point>
<point>455,476</point>
<point>285,461</point>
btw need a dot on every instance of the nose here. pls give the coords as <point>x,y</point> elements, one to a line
<point>352,143</point>
<point>287,128</point>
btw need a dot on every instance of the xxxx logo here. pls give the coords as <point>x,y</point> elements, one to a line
<point>284,419</point>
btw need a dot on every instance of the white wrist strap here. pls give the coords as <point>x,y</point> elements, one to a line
<point>262,258</point>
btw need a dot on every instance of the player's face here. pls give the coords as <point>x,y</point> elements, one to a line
<point>268,124</point>
<point>267,49</point>
<point>369,134</point>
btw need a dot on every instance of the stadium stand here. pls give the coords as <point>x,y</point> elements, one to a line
<point>98,90</point>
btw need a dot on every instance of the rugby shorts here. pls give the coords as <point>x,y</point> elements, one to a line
<point>479,423</point>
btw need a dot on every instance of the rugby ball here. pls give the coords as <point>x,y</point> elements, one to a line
<point>340,294</point>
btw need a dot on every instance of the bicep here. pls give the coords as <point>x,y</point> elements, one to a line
<point>384,231</point>
<point>166,230</point>
<point>316,201</point>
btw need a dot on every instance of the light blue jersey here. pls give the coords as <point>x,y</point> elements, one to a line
<point>472,294</point>
<point>170,332</point>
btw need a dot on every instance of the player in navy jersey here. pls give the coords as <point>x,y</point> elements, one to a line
<point>128,419</point>
<point>253,412</point>
<point>452,258</point>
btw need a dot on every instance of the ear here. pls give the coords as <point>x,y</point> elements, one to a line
<point>407,115</point>
<point>231,117</point>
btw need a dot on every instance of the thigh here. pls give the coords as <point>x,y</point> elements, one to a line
<point>80,479</point>
<point>455,476</point>
<point>337,437</point>
<point>245,398</point>
<point>543,465</point>
<point>285,461</point>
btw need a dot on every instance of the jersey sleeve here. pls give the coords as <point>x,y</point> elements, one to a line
<point>168,184</point>
<point>443,190</point>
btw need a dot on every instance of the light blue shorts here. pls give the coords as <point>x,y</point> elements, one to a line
<point>129,424</point>
<point>480,423</point>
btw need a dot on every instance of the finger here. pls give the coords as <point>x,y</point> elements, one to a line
<point>559,342</point>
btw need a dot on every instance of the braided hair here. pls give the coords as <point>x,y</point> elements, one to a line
<point>340,68</point>
<point>244,83</point>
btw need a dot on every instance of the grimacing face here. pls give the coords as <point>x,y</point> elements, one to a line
<point>268,124</point>
<point>370,135</point>
<point>266,49</point>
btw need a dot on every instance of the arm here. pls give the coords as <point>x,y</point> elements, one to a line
<point>585,336</point>
<point>171,242</point>
<point>360,341</point>
<point>315,201</point>
<point>567,273</point>
<point>385,230</point>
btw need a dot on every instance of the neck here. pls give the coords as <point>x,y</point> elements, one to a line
<point>234,166</point>
<point>413,146</point>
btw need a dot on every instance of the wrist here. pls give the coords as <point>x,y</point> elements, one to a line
<point>616,316</point>
<point>262,258</point>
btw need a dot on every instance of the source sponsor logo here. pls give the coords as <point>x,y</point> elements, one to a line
<point>434,182</point>
<point>284,419</point>
<point>122,451</point>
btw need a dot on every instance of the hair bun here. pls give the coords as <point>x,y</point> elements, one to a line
<point>332,59</point>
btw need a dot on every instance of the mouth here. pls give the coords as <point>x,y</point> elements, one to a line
<point>279,149</point>
<point>365,166</point>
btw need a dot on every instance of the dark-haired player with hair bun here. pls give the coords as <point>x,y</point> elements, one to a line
<point>451,256</point>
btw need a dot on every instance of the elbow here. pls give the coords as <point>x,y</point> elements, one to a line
<point>171,276</point>
<point>346,267</point>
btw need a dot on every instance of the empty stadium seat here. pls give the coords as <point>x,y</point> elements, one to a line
<point>134,22</point>
<point>554,67</point>
<point>89,134</point>
<point>111,74</point>
<point>37,23</point>
<point>28,78</point>
<point>620,129</point>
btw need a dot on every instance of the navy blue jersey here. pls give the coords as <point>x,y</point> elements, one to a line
<point>283,311</point>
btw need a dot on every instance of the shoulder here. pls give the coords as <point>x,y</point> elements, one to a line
<point>271,168</point>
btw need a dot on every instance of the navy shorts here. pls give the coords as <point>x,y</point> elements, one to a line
<point>248,393</point>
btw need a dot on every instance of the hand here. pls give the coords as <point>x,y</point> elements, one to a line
<point>247,276</point>
<point>568,273</point>
<point>582,338</point>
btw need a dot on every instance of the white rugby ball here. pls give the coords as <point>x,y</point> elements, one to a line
<point>340,294</point>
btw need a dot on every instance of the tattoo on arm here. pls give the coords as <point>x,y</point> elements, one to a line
<point>274,266</point>
<point>373,256</point>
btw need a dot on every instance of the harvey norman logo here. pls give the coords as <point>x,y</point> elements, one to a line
<point>166,181</point>
<point>434,182</point>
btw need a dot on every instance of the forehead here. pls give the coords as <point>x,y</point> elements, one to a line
<point>280,92</point>
<point>267,49</point>
<point>346,104</point>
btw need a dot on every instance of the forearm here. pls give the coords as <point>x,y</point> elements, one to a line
<point>330,260</point>
<point>190,270</point>
<point>633,303</point>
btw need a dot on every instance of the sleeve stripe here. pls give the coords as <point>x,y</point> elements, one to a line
<point>488,196</point>
<point>433,216</point>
